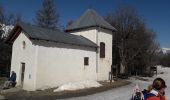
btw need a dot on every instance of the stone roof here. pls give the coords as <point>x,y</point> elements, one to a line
<point>38,33</point>
<point>89,19</point>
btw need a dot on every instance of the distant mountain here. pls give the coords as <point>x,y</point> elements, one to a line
<point>166,50</point>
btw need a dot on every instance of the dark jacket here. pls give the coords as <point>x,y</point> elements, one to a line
<point>13,77</point>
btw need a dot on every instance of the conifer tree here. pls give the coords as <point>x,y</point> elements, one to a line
<point>47,16</point>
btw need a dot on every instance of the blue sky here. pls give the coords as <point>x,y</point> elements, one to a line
<point>156,13</point>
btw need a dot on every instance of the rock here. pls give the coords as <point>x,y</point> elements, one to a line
<point>2,97</point>
<point>10,90</point>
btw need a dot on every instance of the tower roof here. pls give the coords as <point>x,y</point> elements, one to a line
<point>89,19</point>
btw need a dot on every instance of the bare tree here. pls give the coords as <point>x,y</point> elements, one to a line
<point>47,16</point>
<point>125,20</point>
<point>5,49</point>
<point>70,22</point>
<point>2,15</point>
<point>9,19</point>
<point>165,59</point>
<point>16,18</point>
<point>131,41</point>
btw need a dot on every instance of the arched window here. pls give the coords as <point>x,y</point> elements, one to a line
<point>102,50</point>
<point>23,45</point>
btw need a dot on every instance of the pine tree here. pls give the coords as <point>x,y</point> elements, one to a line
<point>47,16</point>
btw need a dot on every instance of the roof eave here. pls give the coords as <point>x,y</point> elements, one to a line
<point>64,42</point>
<point>10,36</point>
<point>81,28</point>
<point>15,33</point>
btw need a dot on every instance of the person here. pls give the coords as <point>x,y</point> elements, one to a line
<point>11,81</point>
<point>157,90</point>
<point>137,94</point>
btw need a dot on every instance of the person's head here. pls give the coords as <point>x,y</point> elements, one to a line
<point>12,72</point>
<point>159,84</point>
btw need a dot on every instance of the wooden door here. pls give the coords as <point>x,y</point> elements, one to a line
<point>22,73</point>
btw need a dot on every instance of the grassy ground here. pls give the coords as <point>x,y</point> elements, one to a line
<point>50,95</point>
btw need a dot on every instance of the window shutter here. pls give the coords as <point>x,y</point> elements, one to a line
<point>102,50</point>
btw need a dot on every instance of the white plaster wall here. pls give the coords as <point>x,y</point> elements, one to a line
<point>89,33</point>
<point>50,64</point>
<point>97,35</point>
<point>62,63</point>
<point>26,56</point>
<point>104,64</point>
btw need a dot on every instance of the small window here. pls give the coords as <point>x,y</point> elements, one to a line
<point>23,44</point>
<point>102,50</point>
<point>86,60</point>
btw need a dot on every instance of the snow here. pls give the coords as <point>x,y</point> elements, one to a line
<point>44,88</point>
<point>78,85</point>
<point>160,69</point>
<point>125,92</point>
<point>6,29</point>
<point>166,50</point>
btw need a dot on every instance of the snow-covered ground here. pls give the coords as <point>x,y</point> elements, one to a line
<point>125,92</point>
<point>78,85</point>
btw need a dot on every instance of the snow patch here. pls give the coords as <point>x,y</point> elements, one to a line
<point>44,88</point>
<point>78,85</point>
<point>6,29</point>
<point>162,70</point>
<point>166,50</point>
